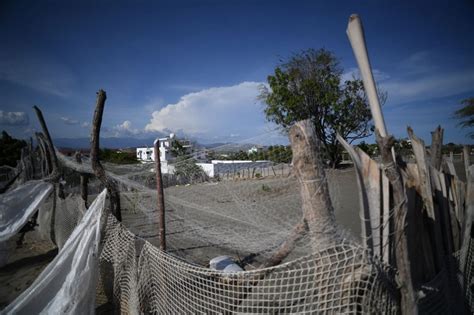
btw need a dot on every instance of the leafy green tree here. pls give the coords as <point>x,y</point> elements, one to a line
<point>114,156</point>
<point>10,149</point>
<point>370,149</point>
<point>309,86</point>
<point>466,115</point>
<point>185,165</point>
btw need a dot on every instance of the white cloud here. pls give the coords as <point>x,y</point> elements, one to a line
<point>85,124</point>
<point>69,121</point>
<point>13,118</point>
<point>421,62</point>
<point>124,129</point>
<point>214,112</point>
<point>434,85</point>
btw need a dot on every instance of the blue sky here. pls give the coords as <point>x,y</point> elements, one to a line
<point>195,66</point>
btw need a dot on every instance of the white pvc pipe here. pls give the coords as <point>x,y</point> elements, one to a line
<point>355,32</point>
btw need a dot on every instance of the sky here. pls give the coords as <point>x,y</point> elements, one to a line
<point>195,67</point>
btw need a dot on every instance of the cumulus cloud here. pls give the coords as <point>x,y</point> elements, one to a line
<point>214,112</point>
<point>69,121</point>
<point>124,129</point>
<point>13,118</point>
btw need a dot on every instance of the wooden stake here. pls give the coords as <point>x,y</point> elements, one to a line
<point>436,144</point>
<point>160,197</point>
<point>408,301</point>
<point>96,165</point>
<point>84,181</point>
<point>466,157</point>
<point>52,153</point>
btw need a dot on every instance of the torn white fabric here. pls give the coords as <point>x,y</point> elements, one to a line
<point>67,285</point>
<point>17,206</point>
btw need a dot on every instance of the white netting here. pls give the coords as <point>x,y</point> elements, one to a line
<point>58,217</point>
<point>67,284</point>
<point>16,208</point>
<point>337,279</point>
<point>247,220</point>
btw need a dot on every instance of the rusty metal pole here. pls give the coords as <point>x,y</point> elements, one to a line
<point>160,196</point>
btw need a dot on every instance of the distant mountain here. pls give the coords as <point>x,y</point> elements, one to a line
<point>111,143</point>
<point>121,143</point>
<point>230,147</point>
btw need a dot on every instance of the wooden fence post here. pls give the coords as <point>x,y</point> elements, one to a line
<point>436,144</point>
<point>408,300</point>
<point>466,150</point>
<point>160,196</point>
<point>96,165</point>
<point>52,153</point>
<point>84,181</point>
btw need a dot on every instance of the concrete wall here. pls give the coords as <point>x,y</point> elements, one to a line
<point>208,168</point>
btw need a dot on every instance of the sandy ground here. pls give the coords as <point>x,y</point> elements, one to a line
<point>237,218</point>
<point>24,265</point>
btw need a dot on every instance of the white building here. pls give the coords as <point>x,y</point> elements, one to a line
<point>147,154</point>
<point>254,149</point>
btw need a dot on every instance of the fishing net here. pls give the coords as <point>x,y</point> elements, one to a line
<point>246,218</point>
<point>67,284</point>
<point>338,278</point>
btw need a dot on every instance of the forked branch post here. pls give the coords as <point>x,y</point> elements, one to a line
<point>96,165</point>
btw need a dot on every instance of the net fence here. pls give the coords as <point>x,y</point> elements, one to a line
<point>336,279</point>
<point>247,219</point>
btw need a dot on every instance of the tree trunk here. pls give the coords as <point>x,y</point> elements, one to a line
<point>96,165</point>
<point>309,169</point>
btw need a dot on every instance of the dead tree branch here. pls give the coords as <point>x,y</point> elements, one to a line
<point>96,165</point>
<point>55,174</point>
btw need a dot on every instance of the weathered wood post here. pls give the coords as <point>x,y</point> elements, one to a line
<point>466,157</point>
<point>96,165</point>
<point>436,144</point>
<point>408,300</point>
<point>52,153</point>
<point>44,153</point>
<point>160,196</point>
<point>84,181</point>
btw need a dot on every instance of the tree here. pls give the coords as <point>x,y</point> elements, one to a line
<point>10,149</point>
<point>308,86</point>
<point>185,165</point>
<point>466,115</point>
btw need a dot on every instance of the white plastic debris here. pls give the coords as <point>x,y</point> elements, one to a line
<point>224,263</point>
<point>67,285</point>
<point>17,206</point>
